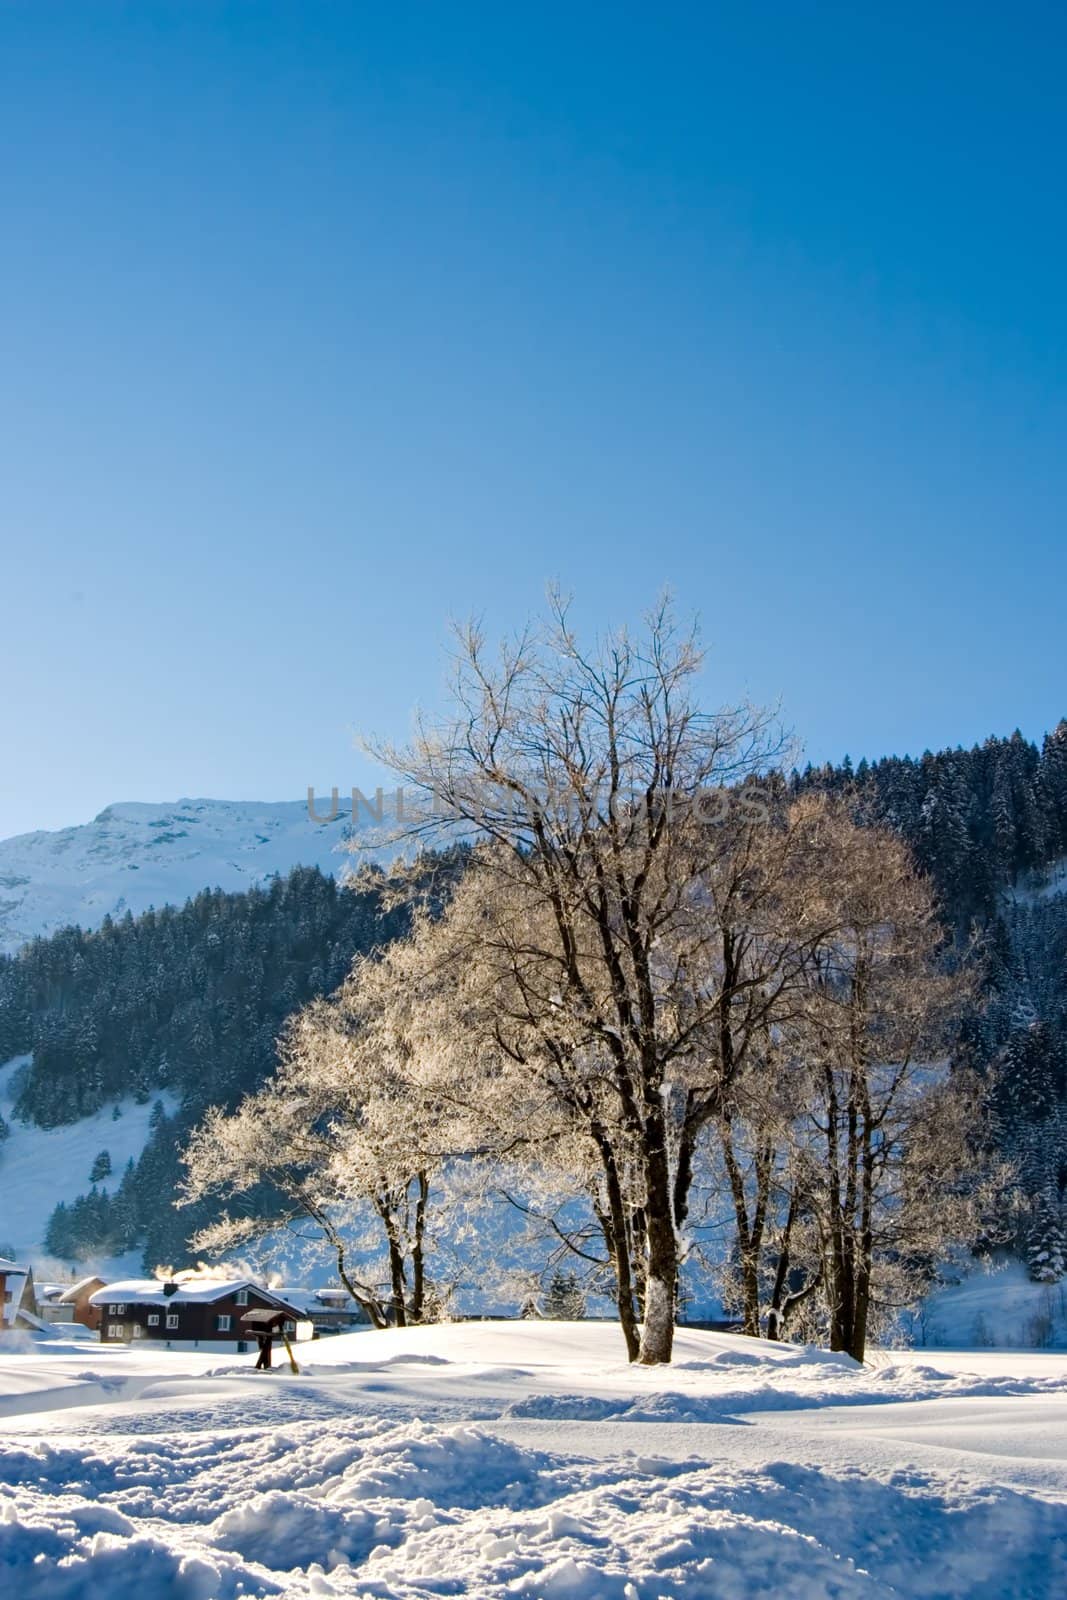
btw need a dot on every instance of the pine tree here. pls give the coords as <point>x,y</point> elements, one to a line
<point>1045,1242</point>
<point>1054,788</point>
<point>101,1168</point>
<point>564,1300</point>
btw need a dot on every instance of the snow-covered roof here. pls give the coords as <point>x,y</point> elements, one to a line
<point>74,1291</point>
<point>66,1293</point>
<point>190,1291</point>
<point>313,1300</point>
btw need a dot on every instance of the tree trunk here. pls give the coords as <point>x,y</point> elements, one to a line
<point>618,1243</point>
<point>397,1274</point>
<point>837,1267</point>
<point>661,1277</point>
<point>776,1313</point>
<point>360,1295</point>
<point>638,1247</point>
<point>657,1330</point>
<point>747,1245</point>
<point>864,1266</point>
<point>418,1265</point>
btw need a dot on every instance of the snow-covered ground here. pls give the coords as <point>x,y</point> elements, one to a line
<point>41,1166</point>
<point>998,1309</point>
<point>1045,884</point>
<point>135,855</point>
<point>527,1459</point>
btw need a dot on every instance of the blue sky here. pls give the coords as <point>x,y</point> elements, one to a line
<point>321,323</point>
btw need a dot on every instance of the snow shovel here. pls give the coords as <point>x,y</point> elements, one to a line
<point>289,1353</point>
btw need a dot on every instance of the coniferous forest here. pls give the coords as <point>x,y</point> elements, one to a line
<point>989,825</point>
<point>185,1000</point>
<point>183,1006</point>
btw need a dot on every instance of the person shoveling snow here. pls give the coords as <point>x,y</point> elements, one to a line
<point>266,1325</point>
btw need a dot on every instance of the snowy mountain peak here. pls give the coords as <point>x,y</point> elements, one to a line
<point>135,854</point>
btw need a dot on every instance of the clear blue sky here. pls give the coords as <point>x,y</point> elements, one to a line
<point>322,322</point>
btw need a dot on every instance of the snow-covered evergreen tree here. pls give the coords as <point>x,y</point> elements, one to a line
<point>1045,1254</point>
<point>564,1300</point>
<point>101,1167</point>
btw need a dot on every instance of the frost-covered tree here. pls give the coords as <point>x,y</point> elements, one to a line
<point>347,1134</point>
<point>564,1300</point>
<point>850,1159</point>
<point>101,1167</point>
<point>1046,1255</point>
<point>597,780</point>
<point>893,1136</point>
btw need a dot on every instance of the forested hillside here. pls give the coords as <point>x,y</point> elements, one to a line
<point>990,826</point>
<point>978,820</point>
<point>188,1000</point>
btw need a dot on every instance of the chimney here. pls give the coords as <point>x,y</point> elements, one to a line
<point>170,1288</point>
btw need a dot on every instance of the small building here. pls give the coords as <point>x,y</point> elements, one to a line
<point>66,1303</point>
<point>328,1310</point>
<point>193,1312</point>
<point>18,1302</point>
<point>48,1307</point>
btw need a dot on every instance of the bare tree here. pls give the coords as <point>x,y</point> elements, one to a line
<point>892,1134</point>
<point>270,1146</point>
<point>853,1154</point>
<point>603,925</point>
<point>773,1270</point>
<point>343,1130</point>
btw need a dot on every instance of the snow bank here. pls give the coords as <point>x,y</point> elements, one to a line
<point>586,1479</point>
<point>418,1510</point>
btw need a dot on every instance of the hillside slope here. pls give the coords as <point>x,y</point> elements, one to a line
<point>43,1166</point>
<point>134,855</point>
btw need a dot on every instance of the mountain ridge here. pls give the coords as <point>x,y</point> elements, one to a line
<point>136,854</point>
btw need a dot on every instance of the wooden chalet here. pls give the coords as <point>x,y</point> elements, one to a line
<point>190,1313</point>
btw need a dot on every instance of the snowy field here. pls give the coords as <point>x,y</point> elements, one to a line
<point>528,1460</point>
<point>1000,1308</point>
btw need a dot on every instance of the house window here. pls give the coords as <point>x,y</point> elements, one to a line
<point>138,1331</point>
<point>224,1323</point>
<point>172,1319</point>
<point>114,1330</point>
<point>290,1329</point>
<point>153,1319</point>
<point>241,1297</point>
<point>119,1310</point>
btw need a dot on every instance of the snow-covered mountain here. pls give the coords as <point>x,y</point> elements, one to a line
<point>134,855</point>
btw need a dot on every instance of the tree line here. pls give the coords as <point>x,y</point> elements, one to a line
<point>182,1006</point>
<point>989,827</point>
